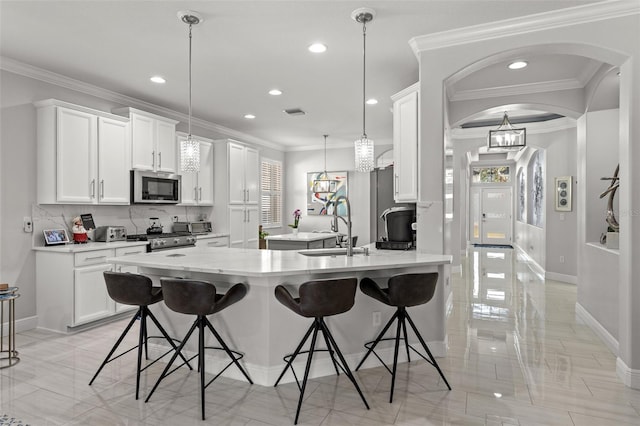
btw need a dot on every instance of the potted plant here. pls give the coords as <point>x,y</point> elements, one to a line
<point>296,220</point>
<point>262,243</point>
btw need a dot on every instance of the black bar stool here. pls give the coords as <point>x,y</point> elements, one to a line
<point>135,290</point>
<point>319,299</point>
<point>403,291</point>
<point>199,298</point>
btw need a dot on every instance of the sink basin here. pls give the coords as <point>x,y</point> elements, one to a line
<point>337,251</point>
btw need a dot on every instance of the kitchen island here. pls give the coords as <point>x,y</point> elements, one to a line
<point>302,240</point>
<point>265,330</point>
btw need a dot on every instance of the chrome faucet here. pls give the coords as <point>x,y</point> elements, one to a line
<point>334,225</point>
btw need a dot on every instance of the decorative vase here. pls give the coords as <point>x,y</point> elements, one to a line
<point>295,231</point>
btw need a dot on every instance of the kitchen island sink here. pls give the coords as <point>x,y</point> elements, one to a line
<point>337,251</point>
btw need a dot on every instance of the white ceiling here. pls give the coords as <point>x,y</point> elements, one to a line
<point>245,48</point>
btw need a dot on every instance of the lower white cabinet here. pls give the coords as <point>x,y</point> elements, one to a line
<point>70,287</point>
<point>207,241</point>
<point>243,226</point>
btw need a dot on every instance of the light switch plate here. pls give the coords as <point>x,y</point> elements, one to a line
<point>27,224</point>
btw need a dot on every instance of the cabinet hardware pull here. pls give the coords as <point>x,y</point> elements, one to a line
<point>93,188</point>
<point>159,159</point>
<point>132,252</point>
<point>95,257</point>
<point>200,193</point>
<point>102,189</point>
<point>395,183</point>
<point>195,192</point>
<point>153,159</point>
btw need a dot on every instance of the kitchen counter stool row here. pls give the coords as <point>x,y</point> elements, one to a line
<point>316,299</point>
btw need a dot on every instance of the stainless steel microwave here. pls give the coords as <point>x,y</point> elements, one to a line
<point>155,188</point>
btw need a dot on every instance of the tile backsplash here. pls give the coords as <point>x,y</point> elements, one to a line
<point>134,217</point>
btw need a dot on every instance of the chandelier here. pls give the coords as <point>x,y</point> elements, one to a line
<point>507,137</point>
<point>189,148</point>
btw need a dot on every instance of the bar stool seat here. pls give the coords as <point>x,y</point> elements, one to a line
<point>403,291</point>
<point>319,299</point>
<point>135,290</point>
<point>200,298</point>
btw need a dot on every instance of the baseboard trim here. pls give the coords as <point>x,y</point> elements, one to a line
<point>629,376</point>
<point>583,315</point>
<point>569,279</point>
<point>23,324</point>
<point>320,367</point>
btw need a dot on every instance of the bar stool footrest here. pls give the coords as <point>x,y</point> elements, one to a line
<point>369,344</point>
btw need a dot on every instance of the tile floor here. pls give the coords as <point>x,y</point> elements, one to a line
<point>517,356</point>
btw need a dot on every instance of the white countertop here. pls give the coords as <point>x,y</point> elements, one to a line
<point>261,263</point>
<point>302,236</point>
<point>78,248</point>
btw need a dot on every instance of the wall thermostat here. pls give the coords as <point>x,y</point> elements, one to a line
<point>563,193</point>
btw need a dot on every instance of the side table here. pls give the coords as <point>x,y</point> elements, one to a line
<point>8,354</point>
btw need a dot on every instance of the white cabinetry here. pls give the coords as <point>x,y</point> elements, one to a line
<point>70,287</point>
<point>243,174</point>
<point>153,144</point>
<point>236,204</point>
<point>197,187</point>
<point>83,155</point>
<point>406,107</point>
<point>212,241</point>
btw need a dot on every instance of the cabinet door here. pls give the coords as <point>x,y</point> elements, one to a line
<point>142,146</point>
<point>113,161</point>
<point>252,175</point>
<point>90,298</point>
<point>251,227</point>
<point>76,157</point>
<point>205,175</point>
<point>237,221</point>
<point>165,147</point>
<point>189,188</point>
<point>237,194</point>
<point>405,148</point>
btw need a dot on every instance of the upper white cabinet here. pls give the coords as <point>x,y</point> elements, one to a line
<point>406,132</point>
<point>244,169</point>
<point>197,187</point>
<point>83,155</point>
<point>153,144</point>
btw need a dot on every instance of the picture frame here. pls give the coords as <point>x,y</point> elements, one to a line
<point>323,203</point>
<point>55,236</point>
<point>563,194</point>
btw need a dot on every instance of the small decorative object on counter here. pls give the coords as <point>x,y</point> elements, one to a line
<point>296,219</point>
<point>79,232</point>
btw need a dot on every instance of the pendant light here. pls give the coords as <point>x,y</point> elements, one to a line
<point>364,145</point>
<point>507,137</point>
<point>189,148</point>
<point>323,184</point>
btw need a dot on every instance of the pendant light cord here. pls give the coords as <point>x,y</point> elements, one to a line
<point>190,25</point>
<point>364,78</point>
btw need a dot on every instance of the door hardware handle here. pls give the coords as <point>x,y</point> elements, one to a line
<point>93,188</point>
<point>153,159</point>
<point>102,189</point>
<point>159,159</point>
<point>200,189</point>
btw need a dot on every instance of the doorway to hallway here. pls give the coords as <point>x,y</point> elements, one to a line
<point>491,215</point>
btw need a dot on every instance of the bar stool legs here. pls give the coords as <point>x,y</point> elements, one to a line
<point>332,347</point>
<point>143,313</point>
<point>402,316</point>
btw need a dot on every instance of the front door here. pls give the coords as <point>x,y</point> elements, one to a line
<point>491,215</point>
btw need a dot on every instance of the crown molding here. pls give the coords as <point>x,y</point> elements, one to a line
<point>30,71</point>
<point>532,129</point>
<point>525,24</point>
<point>517,89</point>
<point>378,144</point>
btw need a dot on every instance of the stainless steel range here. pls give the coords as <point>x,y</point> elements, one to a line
<point>165,241</point>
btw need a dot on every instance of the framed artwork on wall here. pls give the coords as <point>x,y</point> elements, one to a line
<point>323,203</point>
<point>563,193</point>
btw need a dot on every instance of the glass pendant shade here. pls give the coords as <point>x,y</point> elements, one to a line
<point>364,155</point>
<point>189,155</point>
<point>507,137</point>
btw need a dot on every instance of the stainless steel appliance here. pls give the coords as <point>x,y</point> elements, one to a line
<point>155,188</point>
<point>165,241</point>
<point>196,228</point>
<point>107,234</point>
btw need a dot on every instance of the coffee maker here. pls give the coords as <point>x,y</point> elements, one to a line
<point>398,228</point>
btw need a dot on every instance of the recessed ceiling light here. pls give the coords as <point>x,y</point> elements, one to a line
<point>275,92</point>
<point>158,79</point>
<point>372,101</point>
<point>249,116</point>
<point>317,48</point>
<point>517,65</point>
